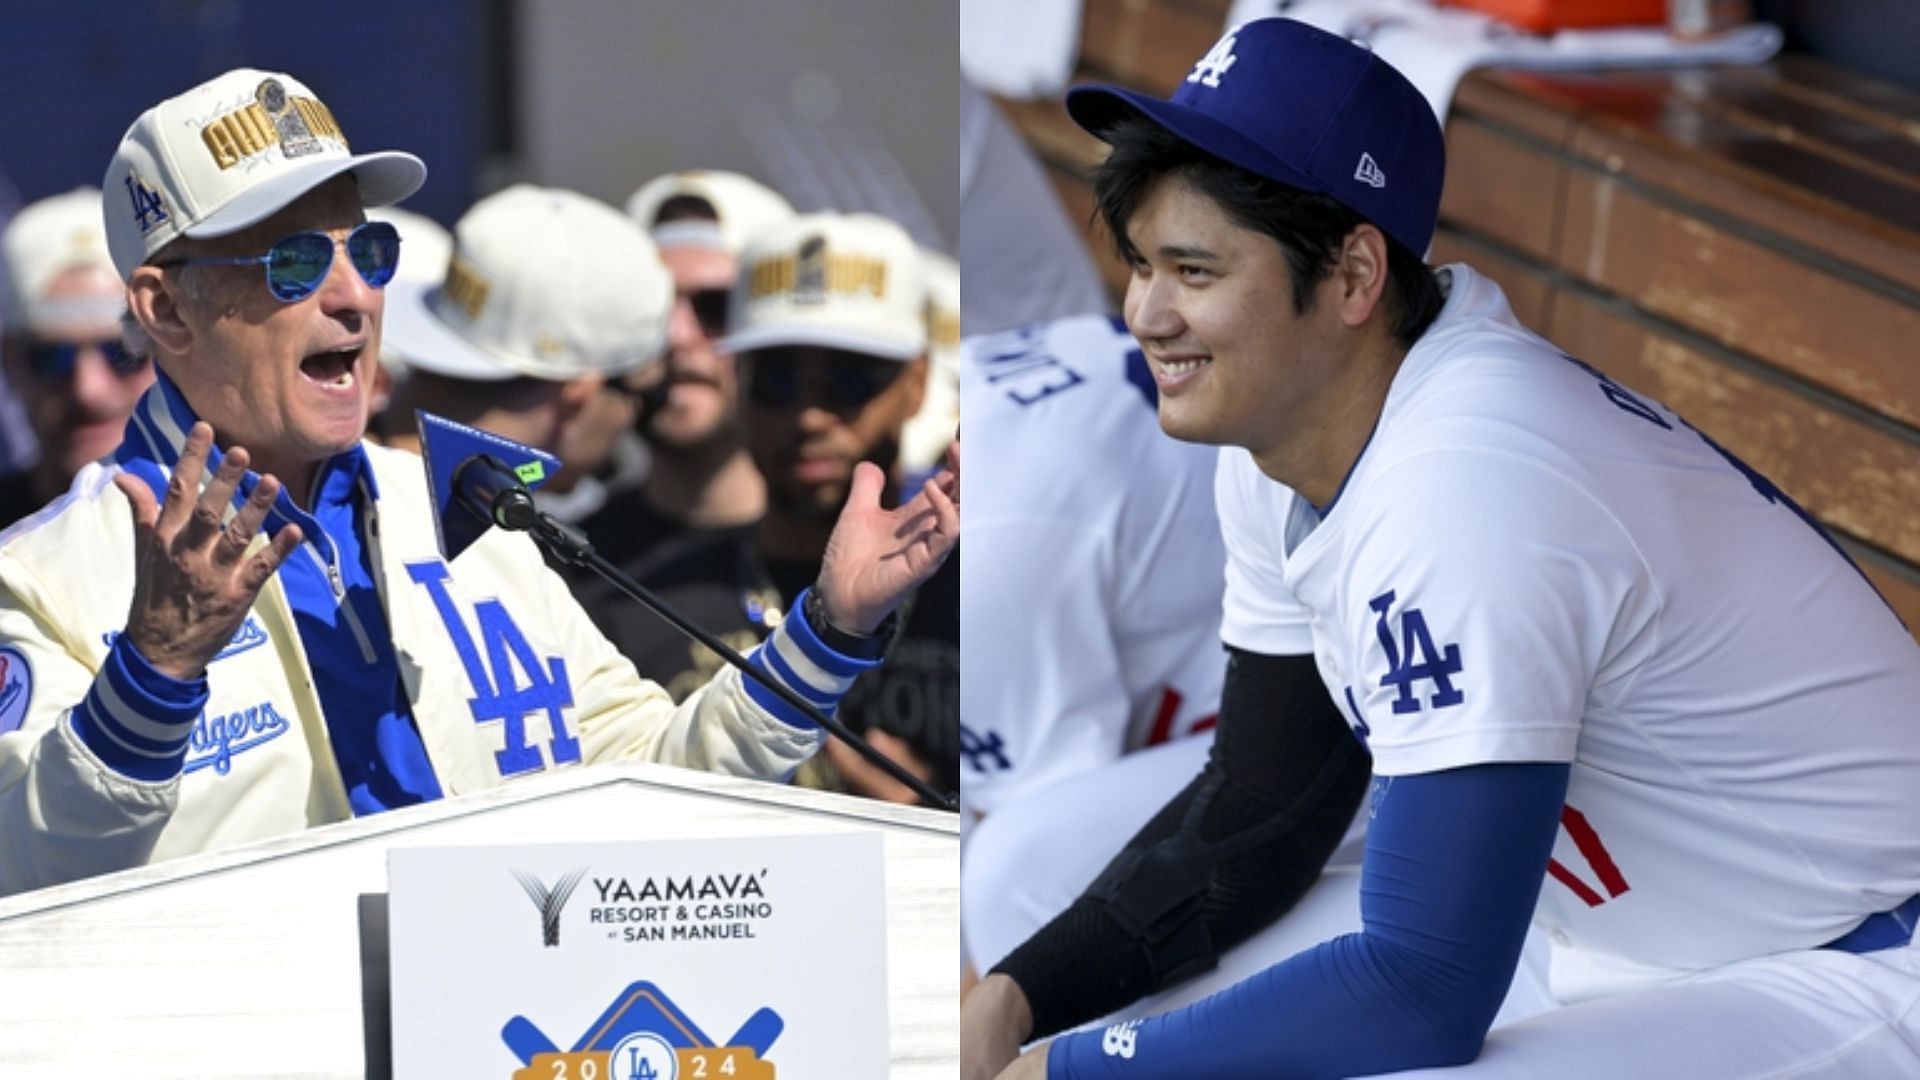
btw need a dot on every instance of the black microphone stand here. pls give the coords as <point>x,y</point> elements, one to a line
<point>497,495</point>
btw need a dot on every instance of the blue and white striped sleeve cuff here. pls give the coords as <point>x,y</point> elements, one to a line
<point>137,720</point>
<point>799,660</point>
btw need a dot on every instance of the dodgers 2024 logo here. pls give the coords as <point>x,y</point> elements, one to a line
<point>643,1035</point>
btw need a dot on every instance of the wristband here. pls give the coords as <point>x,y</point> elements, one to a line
<point>864,646</point>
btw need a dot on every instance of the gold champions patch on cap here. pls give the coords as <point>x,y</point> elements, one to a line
<point>943,328</point>
<point>295,124</point>
<point>465,289</point>
<point>822,272</point>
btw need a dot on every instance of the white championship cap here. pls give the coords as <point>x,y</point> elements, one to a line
<point>425,245</point>
<point>542,282</point>
<point>840,281</point>
<point>45,240</point>
<point>928,434</point>
<point>744,206</point>
<point>230,153</point>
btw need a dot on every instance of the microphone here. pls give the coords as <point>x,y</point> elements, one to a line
<point>484,485</point>
<point>490,492</point>
<point>467,470</point>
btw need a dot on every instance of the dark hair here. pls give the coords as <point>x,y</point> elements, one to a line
<point>1309,227</point>
<point>685,208</point>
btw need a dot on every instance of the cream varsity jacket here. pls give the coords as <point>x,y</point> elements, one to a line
<point>258,761</point>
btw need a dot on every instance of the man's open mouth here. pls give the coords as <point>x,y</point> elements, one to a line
<point>333,369</point>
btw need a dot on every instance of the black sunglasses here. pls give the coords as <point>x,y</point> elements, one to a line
<point>51,360</point>
<point>710,310</point>
<point>776,378</point>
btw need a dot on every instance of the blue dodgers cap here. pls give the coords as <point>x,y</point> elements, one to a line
<point>1307,108</point>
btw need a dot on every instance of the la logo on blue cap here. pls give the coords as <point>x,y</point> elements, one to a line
<point>1215,64</point>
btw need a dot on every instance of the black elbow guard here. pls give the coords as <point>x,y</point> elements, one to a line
<point>1226,857</point>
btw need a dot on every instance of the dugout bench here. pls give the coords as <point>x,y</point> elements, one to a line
<point>1742,243</point>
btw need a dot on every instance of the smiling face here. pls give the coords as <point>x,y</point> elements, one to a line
<point>290,382</point>
<point>1210,302</point>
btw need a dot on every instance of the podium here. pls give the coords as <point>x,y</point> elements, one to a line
<point>270,960</point>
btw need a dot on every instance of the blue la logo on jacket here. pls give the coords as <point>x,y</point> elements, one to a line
<point>499,696</point>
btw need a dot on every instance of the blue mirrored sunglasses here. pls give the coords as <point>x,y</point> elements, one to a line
<point>298,264</point>
<point>50,360</point>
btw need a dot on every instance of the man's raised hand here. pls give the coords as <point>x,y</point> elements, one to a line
<point>194,581</point>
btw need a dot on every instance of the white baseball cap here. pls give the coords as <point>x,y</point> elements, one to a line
<point>942,273</point>
<point>44,241</point>
<point>425,245</point>
<point>542,282</point>
<point>839,281</point>
<point>230,153</point>
<point>744,207</point>
<point>928,433</point>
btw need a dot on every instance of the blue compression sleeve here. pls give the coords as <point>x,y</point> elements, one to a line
<point>1453,866</point>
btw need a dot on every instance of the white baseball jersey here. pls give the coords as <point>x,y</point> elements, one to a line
<point>1529,562</point>
<point>1092,573</point>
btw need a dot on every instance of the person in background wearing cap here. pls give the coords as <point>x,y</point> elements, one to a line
<point>828,324</point>
<point>61,322</point>
<point>700,482</point>
<point>923,445</point>
<point>428,246</point>
<point>525,343</point>
<point>1573,638</point>
<point>242,623</point>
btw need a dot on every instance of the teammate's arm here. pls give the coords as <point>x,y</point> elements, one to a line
<point>1231,853</point>
<point>1453,867</point>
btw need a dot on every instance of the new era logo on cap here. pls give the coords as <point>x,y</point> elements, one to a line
<point>1368,172</point>
<point>1305,108</point>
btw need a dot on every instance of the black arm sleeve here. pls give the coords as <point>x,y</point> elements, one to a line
<point>1227,856</point>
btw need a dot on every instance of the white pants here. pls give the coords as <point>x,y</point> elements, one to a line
<point>1815,1013</point>
<point>1024,863</point>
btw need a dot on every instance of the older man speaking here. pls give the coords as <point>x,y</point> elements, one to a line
<point>241,625</point>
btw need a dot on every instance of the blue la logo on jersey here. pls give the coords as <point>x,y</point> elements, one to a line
<point>984,753</point>
<point>499,695</point>
<point>1359,726</point>
<point>1414,659</point>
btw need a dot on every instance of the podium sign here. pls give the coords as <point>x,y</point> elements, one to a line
<point>742,959</point>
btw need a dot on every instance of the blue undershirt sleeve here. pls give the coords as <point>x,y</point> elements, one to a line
<point>1453,867</point>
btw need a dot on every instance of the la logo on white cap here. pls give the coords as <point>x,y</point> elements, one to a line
<point>1369,172</point>
<point>1215,64</point>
